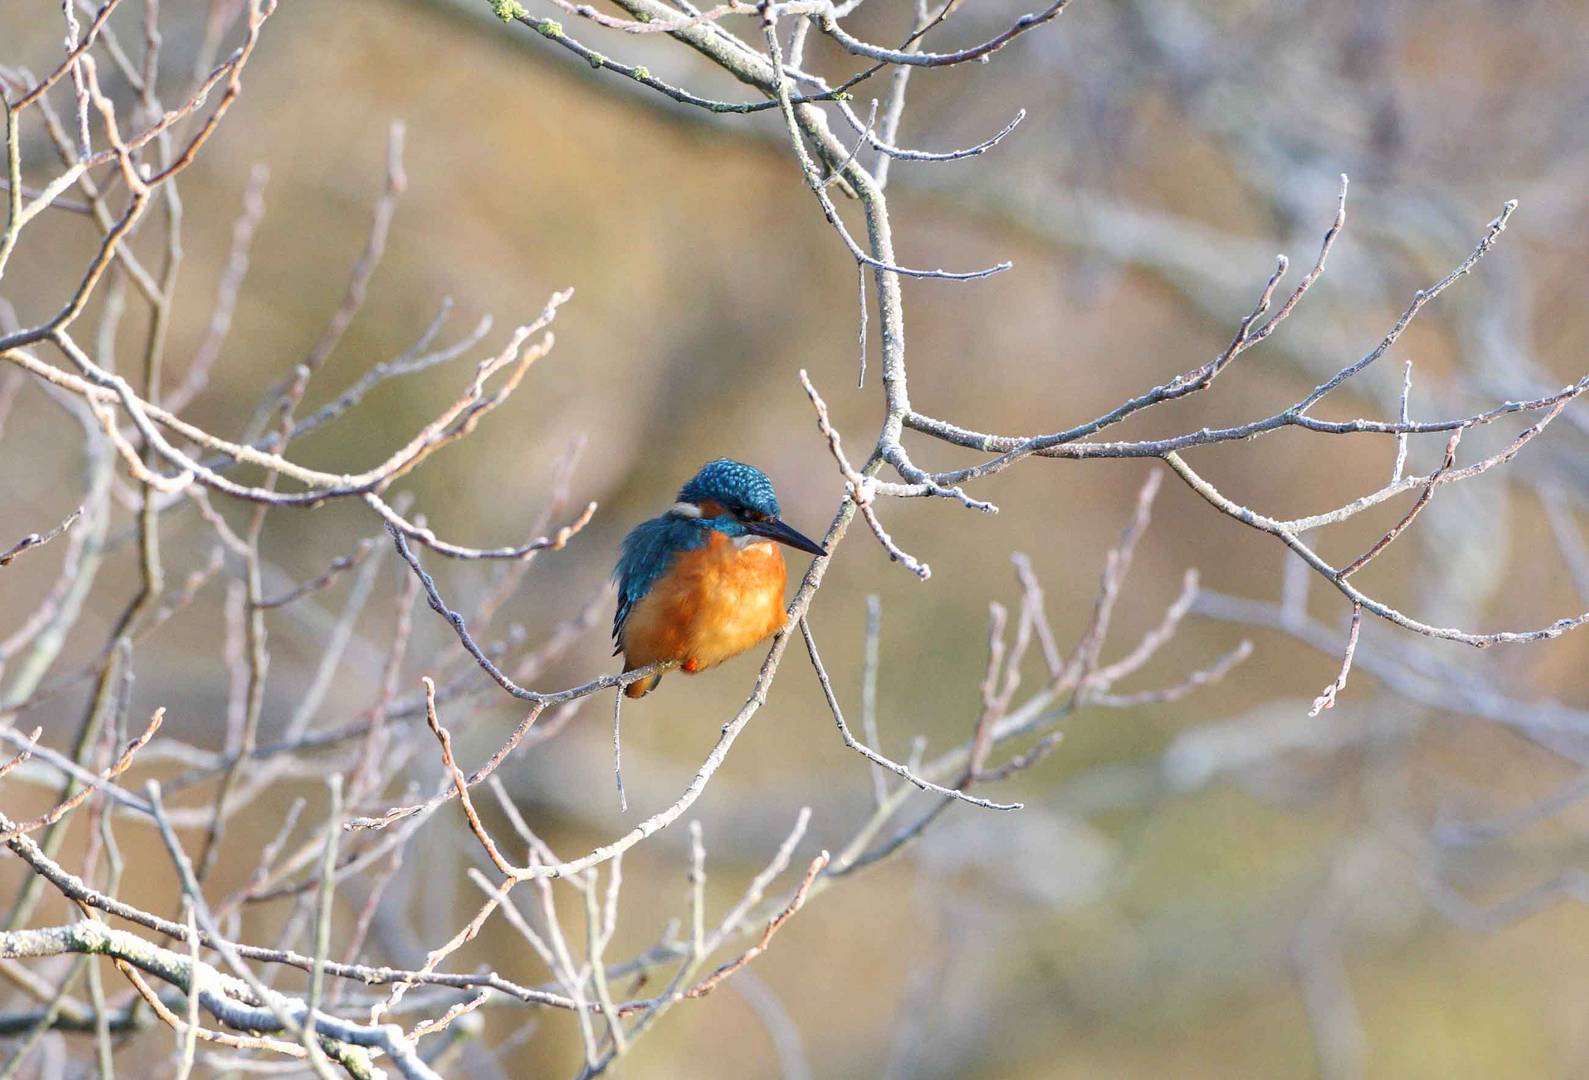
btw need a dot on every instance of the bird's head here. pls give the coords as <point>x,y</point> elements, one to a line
<point>738,500</point>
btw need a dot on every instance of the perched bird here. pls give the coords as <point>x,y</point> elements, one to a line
<point>704,581</point>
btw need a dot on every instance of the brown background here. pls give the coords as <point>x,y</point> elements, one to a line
<point>1117,926</point>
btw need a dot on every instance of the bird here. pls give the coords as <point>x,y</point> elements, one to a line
<point>705,581</point>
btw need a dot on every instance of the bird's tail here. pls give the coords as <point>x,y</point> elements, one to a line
<point>642,687</point>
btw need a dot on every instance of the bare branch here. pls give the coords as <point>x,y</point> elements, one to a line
<point>34,540</point>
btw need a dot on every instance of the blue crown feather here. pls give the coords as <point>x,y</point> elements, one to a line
<point>731,483</point>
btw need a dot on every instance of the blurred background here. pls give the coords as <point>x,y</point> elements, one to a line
<point>1214,886</point>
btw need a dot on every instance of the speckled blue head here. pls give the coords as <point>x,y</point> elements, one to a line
<point>732,485</point>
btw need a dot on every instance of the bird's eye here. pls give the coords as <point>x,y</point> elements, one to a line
<point>742,513</point>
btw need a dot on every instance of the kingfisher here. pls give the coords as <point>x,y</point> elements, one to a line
<point>704,581</point>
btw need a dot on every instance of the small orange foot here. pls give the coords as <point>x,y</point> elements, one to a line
<point>691,666</point>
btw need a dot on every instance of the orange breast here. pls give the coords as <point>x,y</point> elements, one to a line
<point>713,603</point>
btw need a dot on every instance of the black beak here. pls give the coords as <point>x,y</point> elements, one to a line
<point>773,529</point>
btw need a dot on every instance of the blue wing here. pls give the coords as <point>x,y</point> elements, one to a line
<point>648,551</point>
